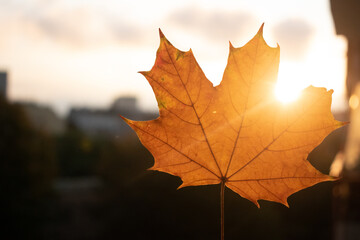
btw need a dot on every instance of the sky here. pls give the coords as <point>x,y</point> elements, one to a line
<point>85,53</point>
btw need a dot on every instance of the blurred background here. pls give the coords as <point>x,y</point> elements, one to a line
<point>71,169</point>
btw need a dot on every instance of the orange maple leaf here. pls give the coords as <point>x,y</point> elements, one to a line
<point>235,133</point>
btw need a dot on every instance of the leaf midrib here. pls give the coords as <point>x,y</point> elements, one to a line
<point>245,108</point>
<point>197,116</point>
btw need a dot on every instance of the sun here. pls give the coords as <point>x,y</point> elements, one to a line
<point>290,83</point>
<point>285,93</point>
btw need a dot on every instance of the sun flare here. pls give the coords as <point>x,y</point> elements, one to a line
<point>286,94</point>
<point>290,83</point>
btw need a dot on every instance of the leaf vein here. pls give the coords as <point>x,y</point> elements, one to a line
<point>178,151</point>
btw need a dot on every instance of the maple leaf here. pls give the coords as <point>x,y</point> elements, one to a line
<point>235,133</point>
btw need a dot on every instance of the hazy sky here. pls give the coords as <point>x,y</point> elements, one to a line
<point>87,52</point>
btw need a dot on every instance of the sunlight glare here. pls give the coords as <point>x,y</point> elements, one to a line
<point>286,94</point>
<point>289,85</point>
<point>290,82</point>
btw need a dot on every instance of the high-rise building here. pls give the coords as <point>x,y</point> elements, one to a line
<point>3,83</point>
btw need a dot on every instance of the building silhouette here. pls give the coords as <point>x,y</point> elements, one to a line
<point>43,118</point>
<point>107,122</point>
<point>3,84</point>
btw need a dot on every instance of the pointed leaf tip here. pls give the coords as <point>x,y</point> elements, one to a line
<point>334,178</point>
<point>343,123</point>
<point>125,119</point>
<point>144,73</point>
<point>261,29</point>
<point>231,47</point>
<point>161,34</point>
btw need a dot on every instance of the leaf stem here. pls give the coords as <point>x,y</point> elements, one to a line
<point>222,193</point>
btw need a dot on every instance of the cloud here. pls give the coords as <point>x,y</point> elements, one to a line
<point>213,24</point>
<point>294,37</point>
<point>84,26</point>
<point>72,27</point>
<point>75,25</point>
<point>92,24</point>
<point>125,32</point>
